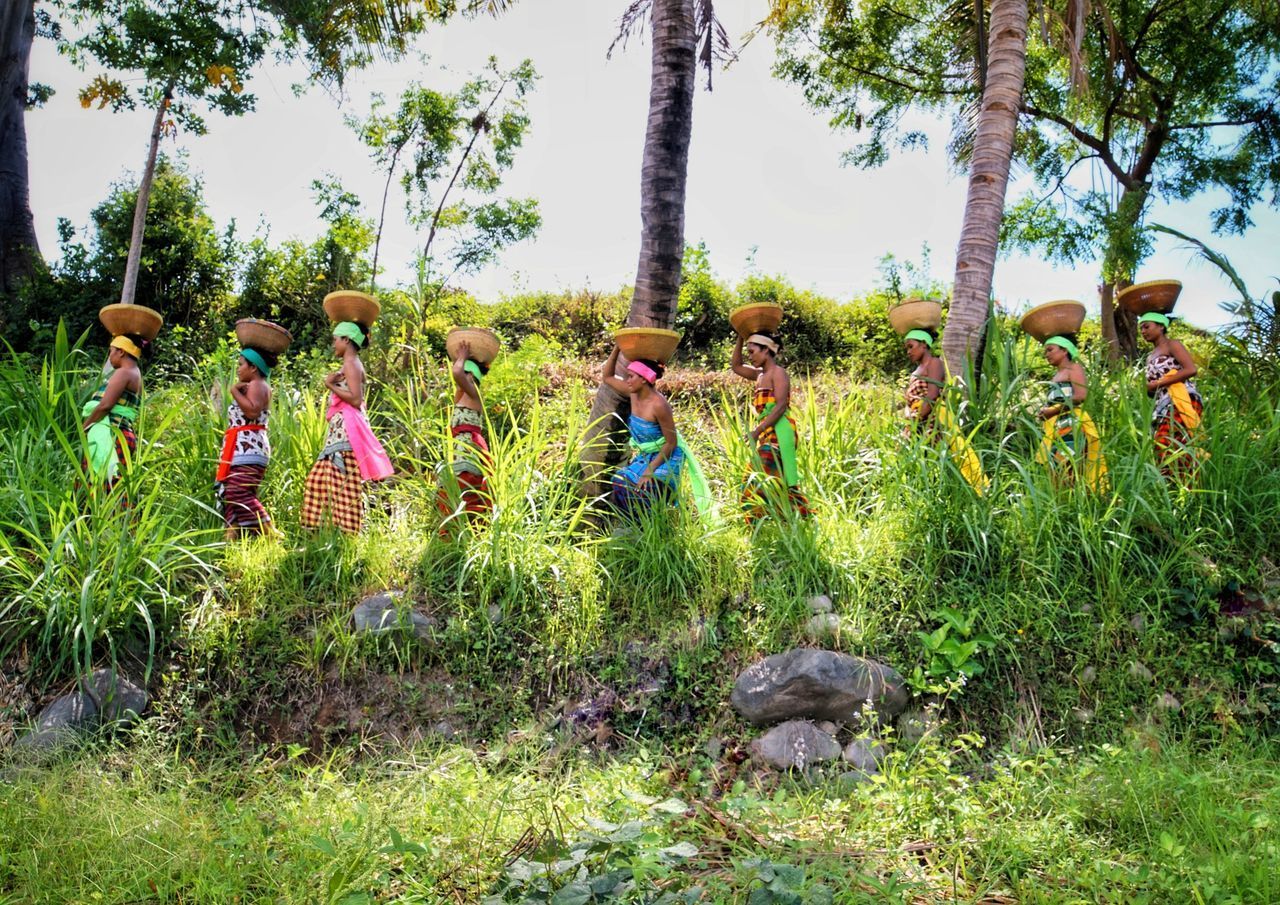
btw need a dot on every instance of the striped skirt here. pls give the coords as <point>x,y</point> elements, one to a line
<point>238,495</point>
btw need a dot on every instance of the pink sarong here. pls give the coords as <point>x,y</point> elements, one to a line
<point>371,459</point>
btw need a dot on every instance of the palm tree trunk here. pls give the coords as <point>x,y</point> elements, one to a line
<point>663,175</point>
<point>19,251</point>
<point>988,179</point>
<point>144,197</point>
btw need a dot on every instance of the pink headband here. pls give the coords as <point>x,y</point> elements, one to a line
<point>643,370</point>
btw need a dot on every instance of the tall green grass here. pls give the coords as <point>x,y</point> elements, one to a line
<point>1057,576</point>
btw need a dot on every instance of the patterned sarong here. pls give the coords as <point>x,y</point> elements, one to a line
<point>664,484</point>
<point>334,490</point>
<point>111,442</point>
<point>1070,438</point>
<point>238,494</point>
<point>471,456</point>
<point>776,453</point>
<point>942,423</point>
<point>1178,412</point>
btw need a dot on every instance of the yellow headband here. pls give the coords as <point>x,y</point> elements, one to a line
<point>125,344</point>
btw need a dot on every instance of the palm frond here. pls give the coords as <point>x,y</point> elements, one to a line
<point>713,41</point>
<point>633,20</point>
<point>1216,258</point>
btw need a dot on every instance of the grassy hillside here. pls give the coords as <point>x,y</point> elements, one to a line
<point>1102,708</point>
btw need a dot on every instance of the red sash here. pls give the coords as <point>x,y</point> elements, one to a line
<point>229,448</point>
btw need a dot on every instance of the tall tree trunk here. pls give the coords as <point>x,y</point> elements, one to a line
<point>662,193</point>
<point>1119,327</point>
<point>988,179</point>
<point>144,197</point>
<point>19,251</point>
<point>1107,319</point>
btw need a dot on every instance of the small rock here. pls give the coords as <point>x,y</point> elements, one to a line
<point>1169,703</point>
<point>1086,608</point>
<point>822,626</point>
<point>380,613</point>
<point>864,754</point>
<point>1082,715</point>
<point>119,701</point>
<point>851,778</point>
<point>1140,672</point>
<point>713,748</point>
<point>1138,623</point>
<point>1088,675</point>
<point>915,724</point>
<point>495,614</point>
<point>796,743</point>
<point>444,729</point>
<point>828,727</point>
<point>820,603</point>
<point>818,684</point>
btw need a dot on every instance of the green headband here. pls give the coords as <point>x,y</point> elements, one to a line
<point>1065,343</point>
<point>474,370</point>
<point>252,356</point>
<point>350,330</point>
<point>1155,317</point>
<point>921,335</point>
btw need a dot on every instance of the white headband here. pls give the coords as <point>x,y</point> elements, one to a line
<point>760,339</point>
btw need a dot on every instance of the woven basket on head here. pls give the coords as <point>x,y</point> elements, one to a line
<point>350,305</point>
<point>484,345</point>
<point>916,314</point>
<point>1157,295</point>
<point>263,335</point>
<point>138,320</point>
<point>758,317</point>
<point>1053,319</point>
<point>652,343</point>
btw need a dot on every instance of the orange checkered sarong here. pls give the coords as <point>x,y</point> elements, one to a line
<point>331,495</point>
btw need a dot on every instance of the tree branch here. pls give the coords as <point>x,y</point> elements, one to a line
<point>1085,138</point>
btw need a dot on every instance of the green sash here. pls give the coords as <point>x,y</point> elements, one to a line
<point>786,446</point>
<point>697,478</point>
<point>100,444</point>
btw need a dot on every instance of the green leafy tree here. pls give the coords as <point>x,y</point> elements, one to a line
<point>187,271</point>
<point>198,53</point>
<point>1181,99</point>
<point>1161,99</point>
<point>288,282</point>
<point>450,151</point>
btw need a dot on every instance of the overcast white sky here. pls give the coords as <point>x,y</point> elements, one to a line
<point>764,171</point>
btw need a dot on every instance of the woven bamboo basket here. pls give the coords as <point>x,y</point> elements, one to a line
<point>916,314</point>
<point>484,345</point>
<point>758,317</point>
<point>1157,295</point>
<point>350,305</point>
<point>138,320</point>
<point>1053,319</point>
<point>652,343</point>
<point>263,335</point>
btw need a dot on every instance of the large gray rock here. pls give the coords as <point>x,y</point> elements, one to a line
<point>817,684</point>
<point>104,699</point>
<point>797,743</point>
<point>381,613</point>
<point>59,723</point>
<point>119,701</point>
